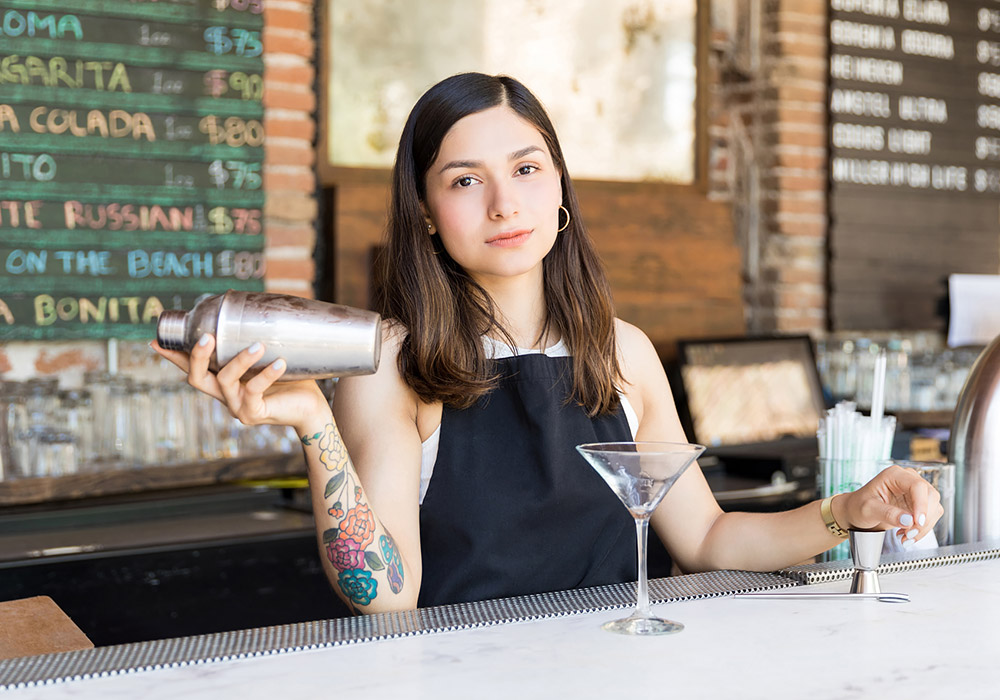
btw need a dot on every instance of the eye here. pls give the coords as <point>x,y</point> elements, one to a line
<point>465,181</point>
<point>526,169</point>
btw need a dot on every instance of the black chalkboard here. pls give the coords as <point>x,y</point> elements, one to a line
<point>914,105</point>
<point>131,158</point>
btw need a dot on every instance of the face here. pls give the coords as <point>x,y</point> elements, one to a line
<point>493,195</point>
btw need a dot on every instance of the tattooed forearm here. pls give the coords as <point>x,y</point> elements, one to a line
<point>350,545</point>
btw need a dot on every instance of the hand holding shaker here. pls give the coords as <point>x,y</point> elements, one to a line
<point>317,340</point>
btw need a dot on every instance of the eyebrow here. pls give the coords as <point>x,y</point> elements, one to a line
<point>478,163</point>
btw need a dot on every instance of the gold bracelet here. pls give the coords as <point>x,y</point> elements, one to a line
<point>826,510</point>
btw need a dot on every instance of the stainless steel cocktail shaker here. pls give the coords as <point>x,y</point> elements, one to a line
<point>974,448</point>
<point>316,339</point>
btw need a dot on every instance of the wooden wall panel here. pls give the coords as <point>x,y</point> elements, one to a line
<point>671,256</point>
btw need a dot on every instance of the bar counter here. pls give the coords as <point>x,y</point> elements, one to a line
<point>944,643</point>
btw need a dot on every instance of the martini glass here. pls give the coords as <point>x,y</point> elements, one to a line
<point>641,473</point>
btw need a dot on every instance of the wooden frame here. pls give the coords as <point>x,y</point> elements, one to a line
<point>331,175</point>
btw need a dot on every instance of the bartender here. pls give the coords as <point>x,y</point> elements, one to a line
<point>450,475</point>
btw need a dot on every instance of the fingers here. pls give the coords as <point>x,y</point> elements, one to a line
<point>228,378</point>
<point>268,376</point>
<point>912,506</point>
<point>180,359</point>
<point>199,375</point>
<point>244,399</point>
<point>900,523</point>
<point>195,365</point>
<point>918,497</point>
<point>253,409</point>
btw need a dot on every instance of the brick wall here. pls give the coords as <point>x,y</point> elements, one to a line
<point>768,153</point>
<point>289,176</point>
<point>290,208</point>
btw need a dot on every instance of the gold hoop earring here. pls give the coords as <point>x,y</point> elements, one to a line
<point>430,232</point>
<point>563,227</point>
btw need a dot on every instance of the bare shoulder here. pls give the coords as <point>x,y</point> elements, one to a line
<point>635,351</point>
<point>646,385</point>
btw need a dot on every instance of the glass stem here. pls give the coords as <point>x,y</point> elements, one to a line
<point>642,592</point>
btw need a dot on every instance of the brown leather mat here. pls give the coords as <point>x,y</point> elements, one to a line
<point>37,625</point>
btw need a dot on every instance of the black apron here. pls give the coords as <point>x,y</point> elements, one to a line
<point>512,508</point>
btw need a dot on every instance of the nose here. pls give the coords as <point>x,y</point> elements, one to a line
<point>503,201</point>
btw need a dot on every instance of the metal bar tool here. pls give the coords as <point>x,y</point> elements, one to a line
<point>866,552</point>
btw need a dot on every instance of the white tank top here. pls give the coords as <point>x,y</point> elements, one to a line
<point>497,350</point>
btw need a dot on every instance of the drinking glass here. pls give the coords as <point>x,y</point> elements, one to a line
<point>641,473</point>
<point>13,420</point>
<point>140,449</point>
<point>118,422</point>
<point>941,476</point>
<point>76,417</point>
<point>54,454</point>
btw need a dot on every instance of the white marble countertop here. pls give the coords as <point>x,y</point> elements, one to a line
<point>945,643</point>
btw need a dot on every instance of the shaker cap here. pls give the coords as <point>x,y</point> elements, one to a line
<point>170,330</point>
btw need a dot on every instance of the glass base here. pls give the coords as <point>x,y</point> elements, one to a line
<point>642,626</point>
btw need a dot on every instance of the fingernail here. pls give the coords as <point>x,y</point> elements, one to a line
<point>922,519</point>
<point>203,340</point>
<point>255,348</point>
<point>906,520</point>
<point>912,534</point>
<point>278,365</point>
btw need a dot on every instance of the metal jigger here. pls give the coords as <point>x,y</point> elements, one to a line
<point>866,551</point>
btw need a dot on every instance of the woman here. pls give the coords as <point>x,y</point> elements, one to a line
<point>450,474</point>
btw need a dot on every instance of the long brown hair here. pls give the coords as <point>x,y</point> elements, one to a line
<point>444,311</point>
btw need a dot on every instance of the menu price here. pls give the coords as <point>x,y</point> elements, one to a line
<point>131,161</point>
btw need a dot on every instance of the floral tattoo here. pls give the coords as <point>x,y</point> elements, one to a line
<point>350,545</point>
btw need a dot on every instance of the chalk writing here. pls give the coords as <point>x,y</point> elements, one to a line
<point>222,40</point>
<point>32,24</point>
<point>131,153</point>
<point>252,6</point>
<point>49,309</point>
<point>249,86</point>
<point>233,131</point>
<point>27,166</point>
<point>128,217</point>
<point>14,213</point>
<point>116,123</point>
<point>60,72</point>
<point>235,220</point>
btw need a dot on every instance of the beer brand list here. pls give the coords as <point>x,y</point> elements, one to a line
<point>131,152</point>
<point>914,125</point>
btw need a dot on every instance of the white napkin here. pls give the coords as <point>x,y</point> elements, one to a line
<point>891,545</point>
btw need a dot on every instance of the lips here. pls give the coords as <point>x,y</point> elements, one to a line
<point>507,239</point>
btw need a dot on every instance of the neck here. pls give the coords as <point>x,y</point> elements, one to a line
<point>520,304</point>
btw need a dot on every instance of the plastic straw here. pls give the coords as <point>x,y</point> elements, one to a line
<point>878,391</point>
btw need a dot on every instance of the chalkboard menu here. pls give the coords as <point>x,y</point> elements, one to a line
<point>131,152</point>
<point>914,106</point>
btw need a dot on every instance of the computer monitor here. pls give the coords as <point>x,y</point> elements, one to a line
<point>740,391</point>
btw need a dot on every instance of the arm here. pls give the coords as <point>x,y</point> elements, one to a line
<point>700,536</point>
<point>376,416</point>
<point>369,568</point>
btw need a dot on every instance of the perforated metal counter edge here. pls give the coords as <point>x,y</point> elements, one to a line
<point>32,671</point>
